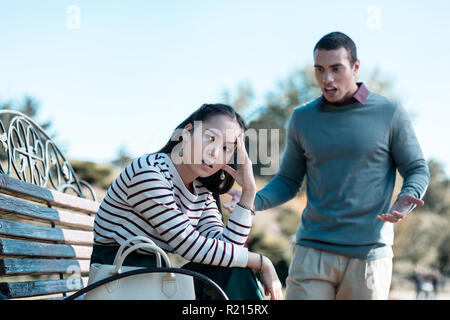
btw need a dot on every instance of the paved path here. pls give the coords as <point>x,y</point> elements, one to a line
<point>411,295</point>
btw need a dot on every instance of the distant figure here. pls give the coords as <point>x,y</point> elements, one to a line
<point>427,288</point>
<point>435,280</point>
<point>418,281</point>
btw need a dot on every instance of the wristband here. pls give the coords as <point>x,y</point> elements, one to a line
<point>260,264</point>
<point>247,208</point>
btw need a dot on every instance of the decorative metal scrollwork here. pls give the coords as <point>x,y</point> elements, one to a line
<point>32,156</point>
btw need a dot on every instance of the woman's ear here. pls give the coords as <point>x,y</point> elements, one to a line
<point>187,132</point>
<point>188,127</point>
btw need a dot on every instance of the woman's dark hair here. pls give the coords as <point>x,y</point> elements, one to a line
<point>336,40</point>
<point>213,183</point>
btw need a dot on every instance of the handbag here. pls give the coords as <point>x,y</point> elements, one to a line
<point>161,285</point>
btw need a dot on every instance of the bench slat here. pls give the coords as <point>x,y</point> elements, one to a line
<point>40,288</point>
<point>29,210</point>
<point>30,191</point>
<point>14,267</point>
<point>18,229</point>
<point>16,248</point>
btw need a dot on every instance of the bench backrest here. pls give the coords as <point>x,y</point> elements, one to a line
<point>46,235</point>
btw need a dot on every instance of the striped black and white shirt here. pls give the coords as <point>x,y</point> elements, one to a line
<point>149,199</point>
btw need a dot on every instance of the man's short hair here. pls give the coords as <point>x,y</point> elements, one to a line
<point>336,40</point>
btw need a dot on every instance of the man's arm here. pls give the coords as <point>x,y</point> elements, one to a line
<point>411,165</point>
<point>408,156</point>
<point>288,180</point>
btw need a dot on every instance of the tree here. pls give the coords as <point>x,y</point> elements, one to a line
<point>93,173</point>
<point>30,107</point>
<point>423,237</point>
<point>123,157</point>
<point>243,98</point>
<point>437,197</point>
<point>444,256</point>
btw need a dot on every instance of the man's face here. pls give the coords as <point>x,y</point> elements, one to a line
<point>335,75</point>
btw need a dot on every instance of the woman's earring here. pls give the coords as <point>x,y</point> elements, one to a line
<point>181,152</point>
<point>222,176</point>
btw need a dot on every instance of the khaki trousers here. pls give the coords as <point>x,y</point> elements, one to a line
<point>320,275</point>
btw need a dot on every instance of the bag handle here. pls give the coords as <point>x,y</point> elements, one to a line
<point>136,238</point>
<point>154,247</point>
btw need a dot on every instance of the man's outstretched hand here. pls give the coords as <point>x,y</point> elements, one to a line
<point>235,197</point>
<point>400,208</point>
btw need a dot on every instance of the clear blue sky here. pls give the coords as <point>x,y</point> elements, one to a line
<point>134,69</point>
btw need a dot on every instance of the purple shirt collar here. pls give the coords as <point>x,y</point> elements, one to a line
<point>360,95</point>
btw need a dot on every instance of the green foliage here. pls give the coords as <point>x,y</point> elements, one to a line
<point>377,83</point>
<point>123,157</point>
<point>422,238</point>
<point>443,261</point>
<point>419,237</point>
<point>28,106</point>
<point>437,197</point>
<point>241,99</point>
<point>277,251</point>
<point>297,89</point>
<point>92,173</point>
<point>288,221</point>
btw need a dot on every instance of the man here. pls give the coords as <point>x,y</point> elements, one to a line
<point>348,144</point>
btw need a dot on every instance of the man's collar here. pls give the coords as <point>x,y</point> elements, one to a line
<point>362,93</point>
<point>360,96</point>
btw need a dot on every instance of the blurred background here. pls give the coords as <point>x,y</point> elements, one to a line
<point>110,80</point>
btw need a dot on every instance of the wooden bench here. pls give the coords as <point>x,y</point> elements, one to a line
<point>46,235</point>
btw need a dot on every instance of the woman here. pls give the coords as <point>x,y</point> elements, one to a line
<point>172,197</point>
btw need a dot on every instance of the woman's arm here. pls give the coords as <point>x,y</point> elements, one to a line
<point>236,230</point>
<point>151,196</point>
<point>210,225</point>
<point>272,284</point>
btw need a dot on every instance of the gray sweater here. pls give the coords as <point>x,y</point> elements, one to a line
<point>349,156</point>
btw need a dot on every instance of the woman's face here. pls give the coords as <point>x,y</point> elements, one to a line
<point>211,144</point>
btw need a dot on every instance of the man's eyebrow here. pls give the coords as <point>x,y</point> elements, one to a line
<point>332,66</point>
